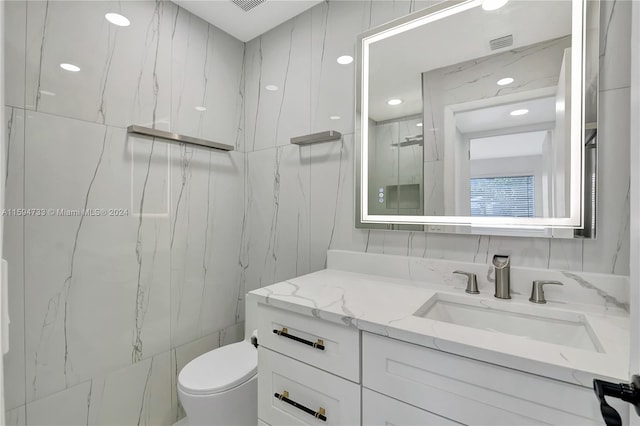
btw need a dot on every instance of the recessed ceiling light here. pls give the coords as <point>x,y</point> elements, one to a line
<point>70,67</point>
<point>47,93</point>
<point>394,102</point>
<point>345,59</point>
<point>117,19</point>
<point>200,108</point>
<point>334,117</point>
<point>271,87</point>
<point>419,124</point>
<point>493,4</point>
<point>504,81</point>
<point>519,112</point>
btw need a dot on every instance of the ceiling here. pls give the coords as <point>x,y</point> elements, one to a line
<point>541,111</point>
<point>243,25</point>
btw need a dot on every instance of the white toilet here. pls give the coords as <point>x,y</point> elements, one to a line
<point>220,387</point>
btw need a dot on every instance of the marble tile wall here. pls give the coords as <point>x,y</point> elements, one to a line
<point>321,176</point>
<point>106,310</point>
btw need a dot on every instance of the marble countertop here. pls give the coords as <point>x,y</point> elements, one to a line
<point>385,306</point>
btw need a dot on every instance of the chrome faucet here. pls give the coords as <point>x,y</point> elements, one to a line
<point>501,267</point>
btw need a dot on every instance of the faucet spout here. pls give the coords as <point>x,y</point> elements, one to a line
<point>501,265</point>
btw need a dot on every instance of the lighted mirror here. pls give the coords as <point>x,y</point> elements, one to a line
<point>480,121</point>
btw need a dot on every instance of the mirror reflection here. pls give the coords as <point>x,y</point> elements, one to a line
<point>470,115</point>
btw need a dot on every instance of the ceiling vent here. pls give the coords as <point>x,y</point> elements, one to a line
<point>247,5</point>
<point>498,43</point>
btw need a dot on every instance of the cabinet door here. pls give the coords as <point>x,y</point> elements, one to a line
<point>470,391</point>
<point>308,391</point>
<point>380,410</point>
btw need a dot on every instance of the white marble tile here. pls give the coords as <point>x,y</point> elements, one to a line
<point>403,243</point>
<point>381,12</point>
<point>335,26</point>
<point>609,253</point>
<point>599,290</point>
<point>281,58</point>
<point>16,416</point>
<point>529,252</point>
<point>329,166</point>
<point>206,228</point>
<point>14,361</point>
<point>50,411</point>
<point>387,242</point>
<point>15,18</point>
<point>138,394</point>
<point>524,252</point>
<point>96,288</point>
<point>232,334</point>
<point>332,201</point>
<point>206,71</point>
<point>565,254</point>
<point>615,48</point>
<point>276,231</point>
<point>253,88</point>
<point>124,75</point>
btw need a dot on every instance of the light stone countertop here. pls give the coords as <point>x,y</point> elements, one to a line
<point>385,306</point>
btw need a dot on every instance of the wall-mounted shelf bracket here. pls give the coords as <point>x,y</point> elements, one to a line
<point>328,136</point>
<point>174,137</point>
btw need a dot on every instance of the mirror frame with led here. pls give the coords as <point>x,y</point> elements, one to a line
<point>564,227</point>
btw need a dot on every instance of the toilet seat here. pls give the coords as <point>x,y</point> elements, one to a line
<point>219,370</point>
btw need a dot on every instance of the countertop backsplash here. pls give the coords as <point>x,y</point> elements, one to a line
<point>609,291</point>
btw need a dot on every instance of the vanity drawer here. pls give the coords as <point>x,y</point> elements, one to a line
<point>306,386</point>
<point>380,410</point>
<point>470,391</point>
<point>339,346</point>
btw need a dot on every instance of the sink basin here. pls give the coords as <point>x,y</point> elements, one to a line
<point>564,328</point>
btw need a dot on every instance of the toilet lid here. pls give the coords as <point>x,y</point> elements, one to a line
<point>220,369</point>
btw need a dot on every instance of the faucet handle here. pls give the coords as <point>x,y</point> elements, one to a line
<point>537,290</point>
<point>472,282</point>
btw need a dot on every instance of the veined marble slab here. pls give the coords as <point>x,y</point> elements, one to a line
<point>379,302</point>
<point>601,290</point>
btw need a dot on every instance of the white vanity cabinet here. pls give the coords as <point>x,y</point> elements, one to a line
<point>333,374</point>
<point>308,370</point>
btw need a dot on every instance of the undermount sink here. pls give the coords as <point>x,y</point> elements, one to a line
<point>564,328</point>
